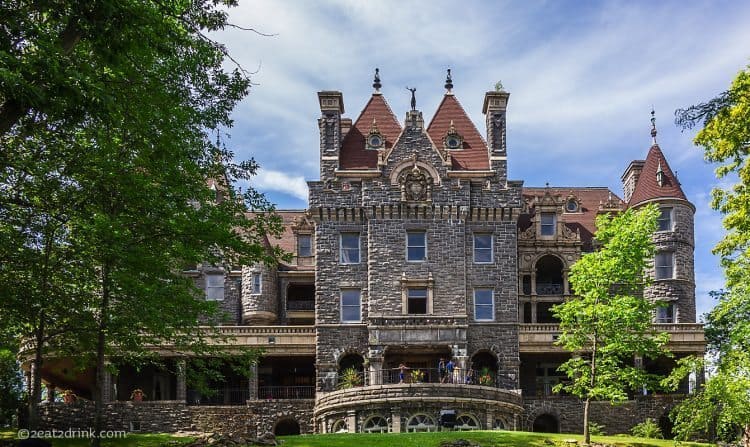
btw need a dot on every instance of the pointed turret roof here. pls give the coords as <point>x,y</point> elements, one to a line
<point>474,155</point>
<point>649,187</point>
<point>354,152</point>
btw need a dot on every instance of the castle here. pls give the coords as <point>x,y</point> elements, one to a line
<point>416,250</point>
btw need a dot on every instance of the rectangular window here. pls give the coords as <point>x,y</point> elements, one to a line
<point>351,309</point>
<point>483,249</point>
<point>349,248</point>
<point>548,224</point>
<point>484,305</point>
<point>416,301</point>
<point>665,314</point>
<point>664,265</point>
<point>416,246</point>
<point>215,287</point>
<point>665,219</point>
<point>304,245</point>
<point>257,283</point>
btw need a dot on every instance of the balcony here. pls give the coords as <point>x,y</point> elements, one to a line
<point>292,340</point>
<point>549,288</point>
<point>684,337</point>
<point>286,392</point>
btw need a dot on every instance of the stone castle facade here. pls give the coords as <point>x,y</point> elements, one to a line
<point>416,247</point>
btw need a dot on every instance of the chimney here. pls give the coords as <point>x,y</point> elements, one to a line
<point>495,105</point>
<point>630,178</point>
<point>329,123</point>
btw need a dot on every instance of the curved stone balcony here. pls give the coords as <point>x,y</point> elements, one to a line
<point>485,404</point>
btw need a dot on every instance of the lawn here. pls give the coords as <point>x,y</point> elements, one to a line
<point>484,438</point>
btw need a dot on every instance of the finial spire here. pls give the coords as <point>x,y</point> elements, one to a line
<point>376,82</point>
<point>449,82</point>
<point>653,126</point>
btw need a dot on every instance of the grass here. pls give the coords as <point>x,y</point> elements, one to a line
<point>485,438</point>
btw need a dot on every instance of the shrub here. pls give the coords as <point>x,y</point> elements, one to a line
<point>349,378</point>
<point>596,429</point>
<point>647,429</point>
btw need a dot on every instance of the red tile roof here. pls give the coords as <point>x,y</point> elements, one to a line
<point>354,154</point>
<point>584,220</point>
<point>475,155</point>
<point>647,187</point>
<point>287,241</point>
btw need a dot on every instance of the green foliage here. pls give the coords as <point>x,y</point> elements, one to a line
<point>349,378</point>
<point>11,387</point>
<point>609,322</point>
<point>720,407</point>
<point>647,429</point>
<point>596,429</point>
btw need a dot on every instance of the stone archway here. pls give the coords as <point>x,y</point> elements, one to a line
<point>286,427</point>
<point>546,423</point>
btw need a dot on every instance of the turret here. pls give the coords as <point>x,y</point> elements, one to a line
<point>329,123</point>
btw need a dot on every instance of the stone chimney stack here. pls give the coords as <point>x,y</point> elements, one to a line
<point>329,123</point>
<point>494,108</point>
<point>630,178</point>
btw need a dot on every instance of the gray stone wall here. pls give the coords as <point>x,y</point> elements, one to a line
<point>680,241</point>
<point>230,306</point>
<point>615,418</point>
<point>264,307</point>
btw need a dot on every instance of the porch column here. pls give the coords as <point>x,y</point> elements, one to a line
<point>638,363</point>
<point>490,420</point>
<point>566,288</point>
<point>50,393</point>
<point>107,386</point>
<point>252,382</point>
<point>351,421</point>
<point>396,420</point>
<point>533,309</point>
<point>376,371</point>
<point>533,282</point>
<point>181,389</point>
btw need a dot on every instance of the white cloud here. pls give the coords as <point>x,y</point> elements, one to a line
<point>267,180</point>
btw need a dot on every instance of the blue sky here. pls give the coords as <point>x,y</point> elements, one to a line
<point>583,76</point>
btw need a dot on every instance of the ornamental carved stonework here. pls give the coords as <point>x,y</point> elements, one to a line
<point>416,186</point>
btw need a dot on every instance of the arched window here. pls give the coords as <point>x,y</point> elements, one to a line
<point>339,426</point>
<point>467,421</point>
<point>549,276</point>
<point>484,365</point>
<point>375,424</point>
<point>420,422</point>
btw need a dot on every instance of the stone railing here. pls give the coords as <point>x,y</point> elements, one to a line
<point>418,320</point>
<point>300,305</point>
<point>683,337</point>
<point>292,340</point>
<point>411,393</point>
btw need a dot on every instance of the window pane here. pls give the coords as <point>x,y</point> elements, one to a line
<point>483,296</point>
<point>548,224</point>
<point>416,247</point>
<point>350,297</point>
<point>256,282</point>
<point>482,241</point>
<point>664,265</point>
<point>214,280</point>
<point>350,248</point>
<point>305,245</point>
<point>350,313</point>
<point>483,304</point>
<point>215,293</point>
<point>665,219</point>
<point>215,287</point>
<point>417,293</point>
<point>483,313</point>
<point>417,301</point>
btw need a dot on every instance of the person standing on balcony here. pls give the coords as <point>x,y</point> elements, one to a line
<point>401,372</point>
<point>449,368</point>
<point>441,370</point>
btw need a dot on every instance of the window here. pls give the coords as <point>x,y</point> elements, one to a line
<point>257,283</point>
<point>571,206</point>
<point>665,314</point>
<point>416,246</point>
<point>548,224</point>
<point>483,248</point>
<point>416,301</point>
<point>350,248</point>
<point>351,310</point>
<point>304,245</point>
<point>664,265</point>
<point>665,219</point>
<point>215,287</point>
<point>484,305</point>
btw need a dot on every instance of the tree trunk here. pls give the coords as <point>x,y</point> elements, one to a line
<point>746,436</point>
<point>100,367</point>
<point>35,393</point>
<point>586,433</point>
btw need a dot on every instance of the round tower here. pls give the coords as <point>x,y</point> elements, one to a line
<point>652,181</point>
<point>259,303</point>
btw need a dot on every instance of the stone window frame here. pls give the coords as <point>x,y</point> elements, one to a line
<point>542,224</point>
<point>342,305</point>
<point>407,284</point>
<point>423,232</point>
<point>576,207</point>
<point>341,247</point>
<point>256,279</point>
<point>670,221</point>
<point>491,304</point>
<point>492,247</point>
<point>215,296</point>
<point>663,266</point>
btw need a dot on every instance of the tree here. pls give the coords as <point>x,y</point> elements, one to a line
<point>121,102</point>
<point>720,406</point>
<point>11,385</point>
<point>608,323</point>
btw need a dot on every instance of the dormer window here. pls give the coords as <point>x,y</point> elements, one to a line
<point>453,140</point>
<point>571,205</point>
<point>375,140</point>
<point>548,224</point>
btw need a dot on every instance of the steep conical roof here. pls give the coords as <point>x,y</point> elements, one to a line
<point>474,155</point>
<point>649,187</point>
<point>354,153</point>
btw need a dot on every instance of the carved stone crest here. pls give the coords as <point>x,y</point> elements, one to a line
<point>416,186</point>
